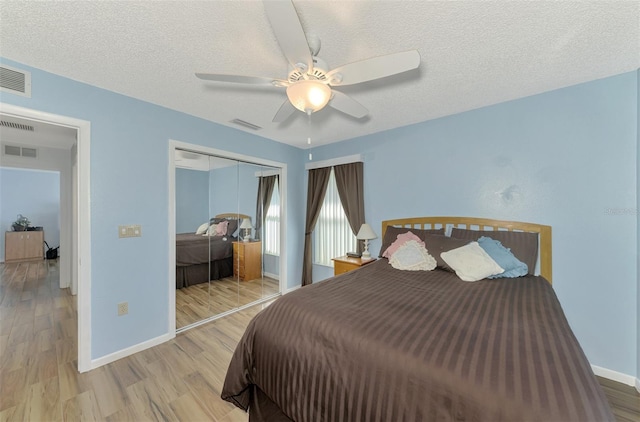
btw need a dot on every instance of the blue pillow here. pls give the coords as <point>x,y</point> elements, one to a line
<point>513,267</point>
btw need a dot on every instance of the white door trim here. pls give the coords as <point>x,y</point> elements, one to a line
<point>173,145</point>
<point>83,240</point>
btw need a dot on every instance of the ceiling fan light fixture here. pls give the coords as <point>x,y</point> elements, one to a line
<point>309,96</point>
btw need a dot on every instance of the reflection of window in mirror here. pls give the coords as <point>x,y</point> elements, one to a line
<point>272,224</point>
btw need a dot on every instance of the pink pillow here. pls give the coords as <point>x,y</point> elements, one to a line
<point>401,240</point>
<point>221,228</point>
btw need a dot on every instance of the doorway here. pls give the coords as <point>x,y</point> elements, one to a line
<point>75,239</point>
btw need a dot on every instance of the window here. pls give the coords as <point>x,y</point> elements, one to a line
<point>332,236</point>
<point>272,224</point>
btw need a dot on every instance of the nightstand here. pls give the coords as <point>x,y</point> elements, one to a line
<point>344,264</point>
<point>247,260</point>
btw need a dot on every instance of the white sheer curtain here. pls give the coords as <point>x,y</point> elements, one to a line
<point>271,241</point>
<point>332,236</point>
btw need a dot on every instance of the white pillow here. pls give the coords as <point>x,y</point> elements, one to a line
<point>471,262</point>
<point>412,256</point>
<point>211,231</point>
<point>202,229</point>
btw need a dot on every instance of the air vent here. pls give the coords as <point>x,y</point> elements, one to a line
<point>245,124</point>
<point>15,81</point>
<point>20,151</point>
<point>18,126</point>
<point>29,152</point>
<point>11,150</point>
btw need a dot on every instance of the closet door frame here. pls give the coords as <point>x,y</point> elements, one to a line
<point>175,145</point>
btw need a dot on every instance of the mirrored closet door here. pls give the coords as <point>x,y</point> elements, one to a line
<point>256,253</point>
<point>228,235</point>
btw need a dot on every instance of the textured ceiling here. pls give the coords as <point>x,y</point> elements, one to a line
<point>474,53</point>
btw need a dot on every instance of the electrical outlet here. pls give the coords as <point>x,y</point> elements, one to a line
<point>123,308</point>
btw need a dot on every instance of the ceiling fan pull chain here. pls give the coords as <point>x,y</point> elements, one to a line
<point>309,126</point>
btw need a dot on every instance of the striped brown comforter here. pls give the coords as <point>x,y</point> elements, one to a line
<point>379,344</point>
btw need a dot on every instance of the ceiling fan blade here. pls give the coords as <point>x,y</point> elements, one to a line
<point>286,110</point>
<point>288,31</point>
<point>374,68</point>
<point>239,79</point>
<point>347,105</point>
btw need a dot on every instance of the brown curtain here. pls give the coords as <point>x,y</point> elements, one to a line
<point>265,191</point>
<point>349,180</point>
<point>316,189</point>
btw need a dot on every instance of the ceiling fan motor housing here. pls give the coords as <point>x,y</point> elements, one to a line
<point>318,72</point>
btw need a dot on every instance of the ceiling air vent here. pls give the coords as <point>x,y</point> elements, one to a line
<point>29,152</point>
<point>11,150</point>
<point>15,81</point>
<point>18,126</point>
<point>245,124</point>
<point>20,151</point>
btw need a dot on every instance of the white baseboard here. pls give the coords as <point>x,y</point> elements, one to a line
<point>615,376</point>
<point>96,363</point>
<point>270,275</point>
<point>290,289</point>
<point>638,385</point>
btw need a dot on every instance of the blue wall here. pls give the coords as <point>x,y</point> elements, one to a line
<point>34,194</point>
<point>234,189</point>
<point>223,190</point>
<point>638,248</point>
<point>192,199</point>
<point>127,190</point>
<point>566,158</point>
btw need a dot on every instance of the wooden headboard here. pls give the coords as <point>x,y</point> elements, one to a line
<point>233,216</point>
<point>473,223</point>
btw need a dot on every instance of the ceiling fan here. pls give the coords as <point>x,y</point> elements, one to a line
<point>309,84</point>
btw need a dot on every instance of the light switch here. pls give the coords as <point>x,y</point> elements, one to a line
<point>134,230</point>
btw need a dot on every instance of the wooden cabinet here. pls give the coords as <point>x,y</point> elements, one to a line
<point>247,260</point>
<point>23,246</point>
<point>344,264</point>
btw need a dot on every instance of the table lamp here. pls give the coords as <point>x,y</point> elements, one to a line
<point>246,227</point>
<point>366,233</point>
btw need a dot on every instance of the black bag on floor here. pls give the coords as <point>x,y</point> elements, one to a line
<point>52,253</point>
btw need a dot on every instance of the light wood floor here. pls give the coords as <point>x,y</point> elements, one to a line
<point>624,400</point>
<point>201,301</point>
<point>177,381</point>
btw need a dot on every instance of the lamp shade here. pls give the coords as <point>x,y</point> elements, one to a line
<point>366,233</point>
<point>309,95</point>
<point>246,224</point>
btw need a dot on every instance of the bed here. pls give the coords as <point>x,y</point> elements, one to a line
<point>381,344</point>
<point>201,258</point>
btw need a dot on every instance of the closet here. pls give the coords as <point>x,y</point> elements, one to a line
<point>227,219</point>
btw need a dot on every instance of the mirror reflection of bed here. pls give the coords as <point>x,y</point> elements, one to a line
<point>227,235</point>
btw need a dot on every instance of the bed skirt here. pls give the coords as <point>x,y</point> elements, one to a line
<point>263,409</point>
<point>190,275</point>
